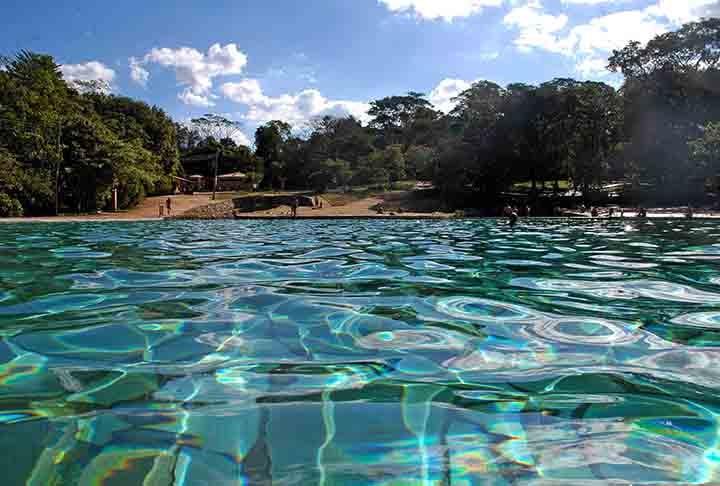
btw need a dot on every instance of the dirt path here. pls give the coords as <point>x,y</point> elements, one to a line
<point>355,208</point>
<point>149,209</point>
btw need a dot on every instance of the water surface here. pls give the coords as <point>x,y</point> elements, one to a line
<point>360,352</point>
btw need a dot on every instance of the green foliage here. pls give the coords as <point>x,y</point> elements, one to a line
<point>60,146</point>
<point>670,93</point>
<point>329,173</point>
<point>9,206</point>
<point>402,119</point>
<point>661,131</point>
<point>420,162</point>
<point>705,154</point>
<point>269,141</point>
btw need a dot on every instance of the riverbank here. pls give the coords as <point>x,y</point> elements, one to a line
<point>396,205</point>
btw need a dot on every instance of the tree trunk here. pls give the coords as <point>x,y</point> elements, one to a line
<point>215,178</point>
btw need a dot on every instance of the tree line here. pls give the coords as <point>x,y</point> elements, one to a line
<point>66,147</point>
<point>657,135</point>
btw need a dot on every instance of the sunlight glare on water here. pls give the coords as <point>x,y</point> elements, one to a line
<point>360,352</point>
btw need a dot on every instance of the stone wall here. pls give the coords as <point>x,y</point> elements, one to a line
<point>247,204</point>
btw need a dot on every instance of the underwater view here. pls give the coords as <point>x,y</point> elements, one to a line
<point>360,352</point>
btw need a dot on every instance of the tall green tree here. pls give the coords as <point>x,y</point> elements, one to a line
<point>670,93</point>
<point>399,119</point>
<point>270,140</point>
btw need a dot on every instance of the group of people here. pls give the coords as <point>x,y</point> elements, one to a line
<point>640,212</point>
<point>512,213</point>
<point>165,207</point>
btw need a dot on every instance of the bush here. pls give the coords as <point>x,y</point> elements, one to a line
<point>164,186</point>
<point>9,206</point>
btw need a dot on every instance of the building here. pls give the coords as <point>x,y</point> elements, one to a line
<point>235,181</point>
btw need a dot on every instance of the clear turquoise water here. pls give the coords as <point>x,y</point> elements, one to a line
<point>344,353</point>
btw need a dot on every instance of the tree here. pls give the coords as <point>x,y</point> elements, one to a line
<point>330,172</point>
<point>669,95</point>
<point>217,128</point>
<point>64,147</point>
<point>395,116</point>
<point>270,139</point>
<point>469,159</point>
<point>705,156</point>
<point>420,162</point>
<point>34,99</point>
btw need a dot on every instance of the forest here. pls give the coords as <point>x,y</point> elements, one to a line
<point>65,148</point>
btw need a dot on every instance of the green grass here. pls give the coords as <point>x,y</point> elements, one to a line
<point>336,197</point>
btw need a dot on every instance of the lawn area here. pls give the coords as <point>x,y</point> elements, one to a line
<point>356,193</point>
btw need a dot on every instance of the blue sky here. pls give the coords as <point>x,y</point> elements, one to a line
<point>255,60</point>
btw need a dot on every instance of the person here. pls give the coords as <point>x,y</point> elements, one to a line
<point>528,210</point>
<point>513,218</point>
<point>507,211</point>
<point>689,212</point>
<point>294,207</point>
<point>594,212</point>
<point>168,205</point>
<point>611,213</point>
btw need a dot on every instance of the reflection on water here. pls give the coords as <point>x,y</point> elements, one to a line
<point>341,353</point>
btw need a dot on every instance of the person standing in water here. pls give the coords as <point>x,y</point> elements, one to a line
<point>513,218</point>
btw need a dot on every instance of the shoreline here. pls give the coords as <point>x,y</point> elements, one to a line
<point>380,217</point>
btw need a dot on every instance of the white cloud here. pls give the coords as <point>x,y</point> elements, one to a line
<point>296,109</point>
<point>242,139</point>
<point>441,96</point>
<point>138,73</point>
<point>614,31</point>
<point>592,2</point>
<point>189,97</point>
<point>441,9</point>
<point>193,69</point>
<point>89,71</point>
<point>592,66</point>
<point>679,12</point>
<point>591,43</point>
<point>537,29</point>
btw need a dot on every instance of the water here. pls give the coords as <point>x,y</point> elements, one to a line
<point>344,353</point>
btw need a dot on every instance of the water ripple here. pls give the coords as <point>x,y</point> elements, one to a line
<point>360,352</point>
